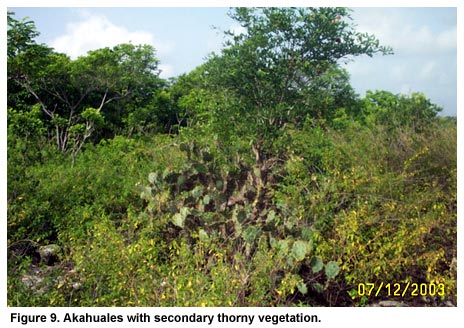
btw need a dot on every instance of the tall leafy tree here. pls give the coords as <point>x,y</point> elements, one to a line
<point>77,96</point>
<point>22,52</point>
<point>123,80</point>
<point>272,72</point>
<point>21,35</point>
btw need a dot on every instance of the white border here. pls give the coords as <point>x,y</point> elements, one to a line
<point>331,317</point>
<point>233,3</point>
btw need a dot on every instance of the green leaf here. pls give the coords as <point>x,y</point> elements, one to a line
<point>302,288</point>
<point>203,235</point>
<point>270,216</point>
<point>299,250</point>
<point>250,234</point>
<point>197,191</point>
<point>219,184</point>
<point>200,168</point>
<point>307,234</point>
<point>166,173</point>
<point>316,264</point>
<point>290,222</point>
<point>178,220</point>
<point>241,215</point>
<point>282,246</point>
<point>318,287</point>
<point>331,269</point>
<point>180,180</point>
<point>184,211</point>
<point>272,241</point>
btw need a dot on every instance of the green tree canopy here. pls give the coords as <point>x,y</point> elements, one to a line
<point>100,89</point>
<point>273,72</point>
<point>383,107</point>
<point>20,35</point>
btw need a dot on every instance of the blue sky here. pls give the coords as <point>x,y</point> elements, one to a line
<point>423,39</point>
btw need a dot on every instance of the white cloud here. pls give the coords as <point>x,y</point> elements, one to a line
<point>424,42</point>
<point>95,32</point>
<point>399,71</point>
<point>167,71</point>
<point>405,34</point>
<point>359,67</point>
<point>406,89</point>
<point>447,39</point>
<point>428,70</point>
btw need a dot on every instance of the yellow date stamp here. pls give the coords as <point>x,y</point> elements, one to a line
<point>403,289</point>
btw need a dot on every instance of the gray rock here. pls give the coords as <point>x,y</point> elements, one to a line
<point>49,254</point>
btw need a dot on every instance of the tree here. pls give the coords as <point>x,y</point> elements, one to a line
<point>22,51</point>
<point>123,79</point>
<point>77,96</point>
<point>20,35</point>
<point>269,73</point>
<point>383,107</point>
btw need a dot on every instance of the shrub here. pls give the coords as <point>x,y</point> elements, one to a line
<point>398,220</point>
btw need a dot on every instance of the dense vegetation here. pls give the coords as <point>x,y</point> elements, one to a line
<point>258,179</point>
